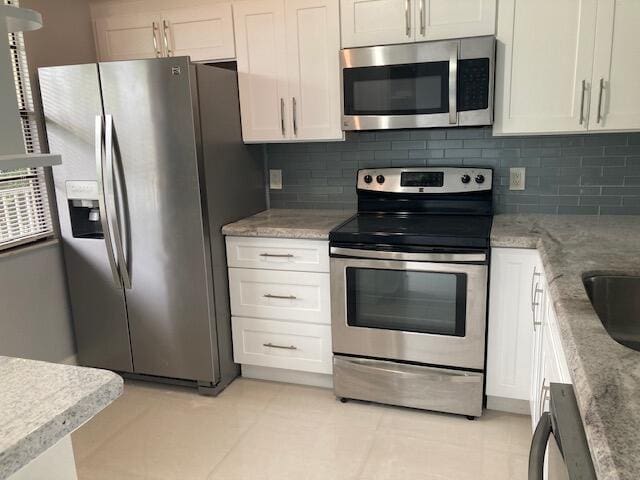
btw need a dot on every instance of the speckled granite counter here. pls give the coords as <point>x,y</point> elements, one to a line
<point>288,223</point>
<point>42,402</point>
<point>606,375</point>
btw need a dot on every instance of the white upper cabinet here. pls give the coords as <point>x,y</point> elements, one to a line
<point>569,66</point>
<point>127,30</point>
<point>615,96</point>
<point>260,51</point>
<point>383,22</point>
<point>203,32</point>
<point>313,42</point>
<point>288,70</point>
<point>440,19</point>
<point>544,64</point>
<point>127,37</point>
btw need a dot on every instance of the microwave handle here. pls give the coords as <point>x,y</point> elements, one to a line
<point>539,447</point>
<point>453,86</point>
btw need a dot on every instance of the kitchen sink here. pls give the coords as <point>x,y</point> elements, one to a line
<point>616,300</point>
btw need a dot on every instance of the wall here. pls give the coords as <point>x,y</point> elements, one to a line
<point>35,320</point>
<point>566,174</point>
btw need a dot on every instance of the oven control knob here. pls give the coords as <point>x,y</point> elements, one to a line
<point>368,179</point>
<point>380,179</point>
<point>465,178</point>
<point>479,178</point>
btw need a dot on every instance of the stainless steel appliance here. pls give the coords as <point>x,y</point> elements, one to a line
<point>409,289</point>
<point>560,438</point>
<point>153,166</point>
<point>430,84</point>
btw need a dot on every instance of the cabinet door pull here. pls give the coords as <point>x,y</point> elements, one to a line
<point>533,284</point>
<point>543,395</point>
<point>599,116</point>
<point>277,255</point>
<point>283,347</point>
<point>283,297</point>
<point>155,41</point>
<point>584,88</point>
<point>407,16</point>
<point>423,20</point>
<point>165,27</point>
<point>282,116</point>
<point>294,108</point>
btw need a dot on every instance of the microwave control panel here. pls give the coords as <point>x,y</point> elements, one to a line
<point>473,84</point>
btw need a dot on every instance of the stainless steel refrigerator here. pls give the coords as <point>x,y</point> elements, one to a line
<point>152,166</point>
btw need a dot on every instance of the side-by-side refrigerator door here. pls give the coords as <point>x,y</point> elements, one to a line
<point>75,129</point>
<point>153,138</point>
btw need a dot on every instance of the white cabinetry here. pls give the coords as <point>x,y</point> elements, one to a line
<point>524,352</point>
<point>383,22</point>
<point>280,307</point>
<point>568,66</point>
<point>288,70</point>
<point>128,31</point>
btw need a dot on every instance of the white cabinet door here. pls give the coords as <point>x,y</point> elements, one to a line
<point>128,37</point>
<point>202,32</point>
<point>544,57</point>
<point>510,326</point>
<point>440,19</point>
<point>260,52</point>
<point>377,22</point>
<point>313,45</point>
<point>616,67</point>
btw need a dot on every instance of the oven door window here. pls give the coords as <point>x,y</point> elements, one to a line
<point>408,89</point>
<point>408,301</point>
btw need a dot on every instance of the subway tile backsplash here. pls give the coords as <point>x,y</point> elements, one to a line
<point>565,174</point>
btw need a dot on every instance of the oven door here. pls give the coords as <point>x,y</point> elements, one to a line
<point>400,86</point>
<point>417,311</point>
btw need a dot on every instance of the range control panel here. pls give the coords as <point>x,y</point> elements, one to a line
<point>426,179</point>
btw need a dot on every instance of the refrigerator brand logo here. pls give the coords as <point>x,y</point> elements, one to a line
<point>176,70</point>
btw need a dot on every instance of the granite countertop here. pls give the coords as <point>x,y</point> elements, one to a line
<point>606,375</point>
<point>288,223</point>
<point>42,402</point>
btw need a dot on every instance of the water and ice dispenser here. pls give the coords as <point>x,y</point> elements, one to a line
<point>84,210</point>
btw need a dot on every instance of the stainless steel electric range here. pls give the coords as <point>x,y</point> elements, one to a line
<point>409,289</point>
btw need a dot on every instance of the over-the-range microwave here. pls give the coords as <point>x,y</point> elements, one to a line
<point>430,84</point>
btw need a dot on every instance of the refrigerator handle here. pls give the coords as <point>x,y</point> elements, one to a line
<point>102,203</point>
<point>111,203</point>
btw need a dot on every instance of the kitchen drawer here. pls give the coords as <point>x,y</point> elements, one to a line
<point>278,254</point>
<point>272,343</point>
<point>295,296</point>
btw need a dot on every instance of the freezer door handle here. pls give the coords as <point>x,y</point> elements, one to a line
<point>111,203</point>
<point>102,202</point>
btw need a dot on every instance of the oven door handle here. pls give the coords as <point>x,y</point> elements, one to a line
<point>408,256</point>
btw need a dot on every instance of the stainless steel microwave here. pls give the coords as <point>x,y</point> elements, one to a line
<point>418,85</point>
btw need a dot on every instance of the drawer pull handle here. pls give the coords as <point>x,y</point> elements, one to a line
<point>283,347</point>
<point>277,255</point>
<point>284,297</point>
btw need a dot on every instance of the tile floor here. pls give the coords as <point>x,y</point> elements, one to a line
<point>267,431</point>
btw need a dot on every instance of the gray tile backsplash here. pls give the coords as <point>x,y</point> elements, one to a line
<point>565,174</point>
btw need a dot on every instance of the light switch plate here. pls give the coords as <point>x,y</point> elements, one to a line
<point>517,178</point>
<point>275,179</point>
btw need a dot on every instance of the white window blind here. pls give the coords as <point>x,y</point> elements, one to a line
<point>24,205</point>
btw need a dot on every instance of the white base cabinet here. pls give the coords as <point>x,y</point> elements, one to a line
<point>524,351</point>
<point>280,308</point>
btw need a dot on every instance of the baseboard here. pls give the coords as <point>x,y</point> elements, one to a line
<point>510,405</point>
<point>288,376</point>
<point>70,360</point>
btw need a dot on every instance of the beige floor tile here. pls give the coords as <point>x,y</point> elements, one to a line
<point>263,430</point>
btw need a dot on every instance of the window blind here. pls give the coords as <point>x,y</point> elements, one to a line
<point>24,204</point>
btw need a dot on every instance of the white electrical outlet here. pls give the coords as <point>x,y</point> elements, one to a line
<point>275,179</point>
<point>516,178</point>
